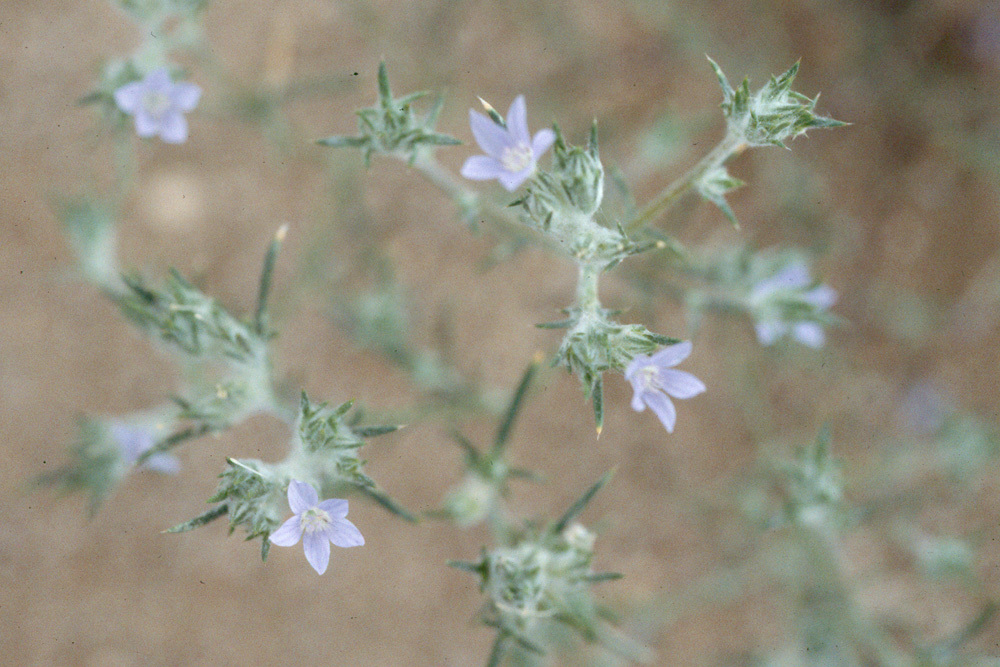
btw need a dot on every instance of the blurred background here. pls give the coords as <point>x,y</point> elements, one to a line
<point>900,210</point>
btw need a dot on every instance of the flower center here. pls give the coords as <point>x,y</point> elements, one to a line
<point>156,102</point>
<point>315,519</point>
<point>648,377</point>
<point>517,158</point>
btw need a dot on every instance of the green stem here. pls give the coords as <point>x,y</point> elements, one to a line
<point>730,146</point>
<point>586,288</point>
<point>826,576</point>
<point>172,441</point>
<point>499,647</point>
<point>428,165</point>
<point>468,201</point>
<point>260,317</point>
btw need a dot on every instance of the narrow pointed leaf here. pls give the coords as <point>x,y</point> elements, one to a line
<point>336,141</point>
<point>374,431</point>
<point>200,520</point>
<point>597,396</point>
<point>270,257</point>
<point>388,503</point>
<point>384,92</point>
<point>561,324</point>
<point>472,455</point>
<point>503,433</point>
<point>581,503</point>
<point>466,566</point>
<point>499,648</point>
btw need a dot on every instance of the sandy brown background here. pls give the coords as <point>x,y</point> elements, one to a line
<point>902,205</point>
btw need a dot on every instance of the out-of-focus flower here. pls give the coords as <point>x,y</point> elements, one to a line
<point>923,408</point>
<point>471,502</point>
<point>159,105</point>
<point>511,153</point>
<point>133,441</point>
<point>317,524</point>
<point>774,301</point>
<point>655,382</point>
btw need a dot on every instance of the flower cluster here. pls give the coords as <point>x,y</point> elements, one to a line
<point>772,114</point>
<point>538,575</point>
<point>392,127</point>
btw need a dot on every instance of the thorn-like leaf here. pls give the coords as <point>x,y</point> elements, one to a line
<point>503,433</point>
<point>388,503</point>
<point>581,503</point>
<point>336,141</point>
<point>374,431</point>
<point>200,520</point>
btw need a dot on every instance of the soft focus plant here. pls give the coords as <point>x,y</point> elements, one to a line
<point>537,578</point>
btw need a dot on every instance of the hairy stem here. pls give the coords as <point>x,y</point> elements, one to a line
<point>730,146</point>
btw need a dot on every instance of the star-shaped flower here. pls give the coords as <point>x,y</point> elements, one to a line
<point>317,524</point>
<point>159,105</point>
<point>791,281</point>
<point>654,382</point>
<point>133,441</point>
<point>511,153</point>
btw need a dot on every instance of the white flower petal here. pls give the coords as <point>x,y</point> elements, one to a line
<point>663,407</point>
<point>335,507</point>
<point>680,384</point>
<point>809,333</point>
<point>173,128</point>
<point>288,534</point>
<point>511,181</point>
<point>129,97</point>
<point>517,121</point>
<point>492,138</point>
<point>792,276</point>
<point>672,354</point>
<point>481,168</point>
<point>145,124</point>
<point>158,80</point>
<point>164,463</point>
<point>633,367</point>
<point>637,403</point>
<point>317,548</point>
<point>822,297</point>
<point>770,331</point>
<point>343,533</point>
<point>301,496</point>
<point>184,96</point>
<point>542,142</point>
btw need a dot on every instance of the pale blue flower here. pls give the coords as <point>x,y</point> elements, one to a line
<point>135,440</point>
<point>511,153</point>
<point>790,283</point>
<point>317,524</point>
<point>159,105</point>
<point>655,382</point>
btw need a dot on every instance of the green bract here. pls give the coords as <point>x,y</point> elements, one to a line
<point>392,127</point>
<point>772,114</point>
<point>543,576</point>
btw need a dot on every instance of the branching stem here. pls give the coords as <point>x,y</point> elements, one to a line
<point>730,146</point>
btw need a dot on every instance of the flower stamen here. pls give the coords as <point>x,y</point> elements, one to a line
<point>517,158</point>
<point>156,103</point>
